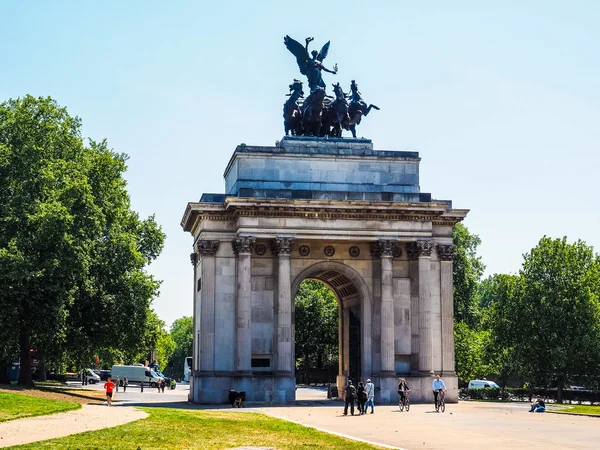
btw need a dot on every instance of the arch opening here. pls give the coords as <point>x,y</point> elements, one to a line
<point>353,324</point>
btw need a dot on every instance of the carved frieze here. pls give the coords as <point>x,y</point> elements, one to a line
<point>243,244</point>
<point>446,252</point>
<point>283,245</point>
<point>329,251</point>
<point>207,247</point>
<point>419,249</point>
<point>354,251</point>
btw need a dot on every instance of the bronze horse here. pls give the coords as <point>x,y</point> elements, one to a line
<point>312,112</point>
<point>358,108</point>
<point>292,116</point>
<point>336,115</point>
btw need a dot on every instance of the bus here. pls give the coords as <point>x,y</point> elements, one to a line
<point>187,369</point>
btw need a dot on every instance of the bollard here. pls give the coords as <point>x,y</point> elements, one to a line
<point>142,386</point>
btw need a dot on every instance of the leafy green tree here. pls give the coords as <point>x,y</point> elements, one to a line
<point>182,332</point>
<point>550,318</point>
<point>468,270</point>
<point>470,340</point>
<point>72,253</point>
<point>471,352</point>
<point>316,323</point>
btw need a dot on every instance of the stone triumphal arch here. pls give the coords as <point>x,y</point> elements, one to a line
<point>337,211</point>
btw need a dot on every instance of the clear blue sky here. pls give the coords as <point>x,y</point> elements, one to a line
<point>502,102</point>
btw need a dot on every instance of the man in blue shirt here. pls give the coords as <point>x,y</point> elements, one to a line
<point>437,386</point>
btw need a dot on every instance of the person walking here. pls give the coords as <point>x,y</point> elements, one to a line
<point>125,383</point>
<point>109,386</point>
<point>361,397</point>
<point>350,394</point>
<point>117,384</point>
<point>370,389</point>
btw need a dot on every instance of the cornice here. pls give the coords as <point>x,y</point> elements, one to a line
<point>234,207</point>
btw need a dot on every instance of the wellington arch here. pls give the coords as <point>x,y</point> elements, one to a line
<point>337,211</point>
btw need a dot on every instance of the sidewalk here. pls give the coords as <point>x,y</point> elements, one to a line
<point>88,418</point>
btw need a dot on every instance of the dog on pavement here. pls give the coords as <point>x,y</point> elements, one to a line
<point>237,398</point>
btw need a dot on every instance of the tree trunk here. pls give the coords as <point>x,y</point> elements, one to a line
<point>25,359</point>
<point>559,392</point>
<point>4,366</point>
<point>42,369</point>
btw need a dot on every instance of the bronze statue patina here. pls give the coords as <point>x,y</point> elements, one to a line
<point>358,108</point>
<point>318,115</point>
<point>292,116</point>
<point>310,66</point>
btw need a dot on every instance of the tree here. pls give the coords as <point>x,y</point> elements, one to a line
<point>468,270</point>
<point>182,332</point>
<point>157,338</point>
<point>549,318</point>
<point>471,352</point>
<point>316,323</point>
<point>470,340</point>
<point>72,253</point>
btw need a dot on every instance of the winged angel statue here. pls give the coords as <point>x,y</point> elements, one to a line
<point>310,66</point>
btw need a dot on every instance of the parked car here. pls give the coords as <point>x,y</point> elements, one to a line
<point>91,376</point>
<point>103,374</point>
<point>482,384</point>
<point>167,379</point>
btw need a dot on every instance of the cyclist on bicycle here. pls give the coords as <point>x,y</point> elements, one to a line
<point>402,389</point>
<point>437,385</point>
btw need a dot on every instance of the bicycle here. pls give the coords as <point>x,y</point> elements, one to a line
<point>441,403</point>
<point>404,402</point>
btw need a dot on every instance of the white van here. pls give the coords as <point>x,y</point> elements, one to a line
<point>481,384</point>
<point>136,374</point>
<point>92,377</point>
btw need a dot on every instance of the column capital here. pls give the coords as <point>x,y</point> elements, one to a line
<point>207,247</point>
<point>446,252</point>
<point>419,249</point>
<point>383,248</point>
<point>243,244</point>
<point>283,246</point>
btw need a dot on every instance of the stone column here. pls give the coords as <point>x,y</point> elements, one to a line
<point>446,256</point>
<point>196,336</point>
<point>346,340</point>
<point>285,352</point>
<point>242,247</point>
<point>422,251</point>
<point>384,250</point>
<point>388,366</point>
<point>207,250</point>
<point>196,315</point>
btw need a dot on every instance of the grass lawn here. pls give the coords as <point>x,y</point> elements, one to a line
<point>580,409</point>
<point>170,428</point>
<point>81,396</point>
<point>17,406</point>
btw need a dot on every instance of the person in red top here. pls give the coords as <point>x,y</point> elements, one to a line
<point>109,386</point>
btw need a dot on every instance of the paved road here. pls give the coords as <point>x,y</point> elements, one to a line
<point>133,395</point>
<point>467,425</point>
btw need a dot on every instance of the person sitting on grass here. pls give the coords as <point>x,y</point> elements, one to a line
<point>109,386</point>
<point>538,406</point>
